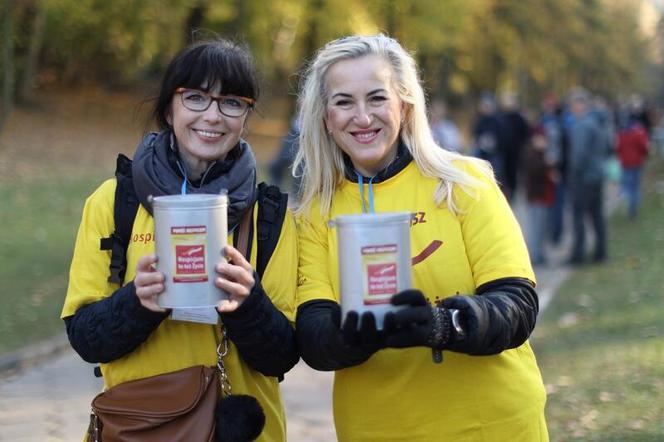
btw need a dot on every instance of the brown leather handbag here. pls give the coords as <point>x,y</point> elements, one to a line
<point>176,406</point>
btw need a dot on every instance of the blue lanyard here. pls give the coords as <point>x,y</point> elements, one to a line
<point>183,189</point>
<point>360,183</point>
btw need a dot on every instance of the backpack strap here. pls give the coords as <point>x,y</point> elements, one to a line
<point>272,205</point>
<point>124,211</point>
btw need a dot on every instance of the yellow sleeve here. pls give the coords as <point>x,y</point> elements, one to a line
<point>89,268</point>
<point>313,268</point>
<point>494,243</point>
<point>280,276</point>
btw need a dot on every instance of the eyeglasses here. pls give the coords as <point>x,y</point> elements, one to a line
<point>229,105</point>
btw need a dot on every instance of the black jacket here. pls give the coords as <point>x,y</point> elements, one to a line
<point>115,326</point>
<point>500,316</point>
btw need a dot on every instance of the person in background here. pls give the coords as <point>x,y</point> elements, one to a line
<point>552,121</point>
<point>540,177</point>
<point>587,157</point>
<point>366,145</point>
<point>445,132</point>
<point>488,137</point>
<point>204,100</point>
<point>632,150</point>
<point>604,116</point>
<point>515,133</point>
<point>638,109</point>
<point>283,161</point>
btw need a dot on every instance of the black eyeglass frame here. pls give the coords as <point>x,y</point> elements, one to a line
<point>217,98</point>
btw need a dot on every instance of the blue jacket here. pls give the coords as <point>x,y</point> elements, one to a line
<point>587,152</point>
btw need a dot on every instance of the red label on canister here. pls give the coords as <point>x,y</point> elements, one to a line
<point>189,248</point>
<point>380,270</point>
<point>382,279</point>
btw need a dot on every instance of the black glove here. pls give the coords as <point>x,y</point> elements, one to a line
<point>410,326</point>
<point>366,338</point>
<point>418,325</point>
<point>477,338</point>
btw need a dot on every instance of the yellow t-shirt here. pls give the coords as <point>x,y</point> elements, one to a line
<point>400,394</point>
<point>175,345</point>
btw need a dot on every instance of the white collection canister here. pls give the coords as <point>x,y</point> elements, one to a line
<point>374,261</point>
<point>190,232</point>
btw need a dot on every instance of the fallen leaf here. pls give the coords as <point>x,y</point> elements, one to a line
<point>585,300</point>
<point>568,320</point>
<point>564,381</point>
<point>579,433</point>
<point>605,396</point>
<point>588,419</point>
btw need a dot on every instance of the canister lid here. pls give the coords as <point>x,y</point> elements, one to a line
<point>373,218</point>
<point>189,201</point>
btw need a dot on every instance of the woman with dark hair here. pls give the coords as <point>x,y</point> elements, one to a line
<point>207,93</point>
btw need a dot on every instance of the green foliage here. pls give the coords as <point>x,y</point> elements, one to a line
<point>600,343</point>
<point>550,45</point>
<point>463,47</point>
<point>113,42</point>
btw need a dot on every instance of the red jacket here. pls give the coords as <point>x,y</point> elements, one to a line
<point>632,145</point>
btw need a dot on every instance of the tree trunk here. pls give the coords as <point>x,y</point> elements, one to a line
<point>391,18</point>
<point>32,62</point>
<point>7,62</point>
<point>310,38</point>
<point>239,25</point>
<point>194,22</point>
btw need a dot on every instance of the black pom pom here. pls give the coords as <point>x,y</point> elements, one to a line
<point>240,418</point>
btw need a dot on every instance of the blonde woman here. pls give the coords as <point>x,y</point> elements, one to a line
<point>366,146</point>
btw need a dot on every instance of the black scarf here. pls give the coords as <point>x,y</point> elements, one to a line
<point>155,174</point>
<point>402,159</point>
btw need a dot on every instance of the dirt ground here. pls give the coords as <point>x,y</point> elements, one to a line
<point>81,131</point>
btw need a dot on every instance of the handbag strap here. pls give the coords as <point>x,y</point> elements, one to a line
<point>222,350</point>
<point>243,233</point>
<point>242,245</point>
<point>244,229</point>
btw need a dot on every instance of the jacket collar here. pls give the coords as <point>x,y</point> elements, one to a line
<point>399,163</point>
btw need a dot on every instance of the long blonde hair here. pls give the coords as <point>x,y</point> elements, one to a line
<point>320,161</point>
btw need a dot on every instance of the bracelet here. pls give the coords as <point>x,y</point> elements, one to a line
<point>440,330</point>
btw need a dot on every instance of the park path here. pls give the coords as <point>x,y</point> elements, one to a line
<point>49,400</point>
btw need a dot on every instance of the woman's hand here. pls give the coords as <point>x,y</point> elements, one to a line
<point>149,283</point>
<point>236,278</point>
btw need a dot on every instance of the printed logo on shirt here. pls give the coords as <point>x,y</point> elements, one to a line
<point>418,218</point>
<point>143,238</point>
<point>428,251</point>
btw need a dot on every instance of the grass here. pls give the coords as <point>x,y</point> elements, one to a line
<point>600,343</point>
<point>39,220</point>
